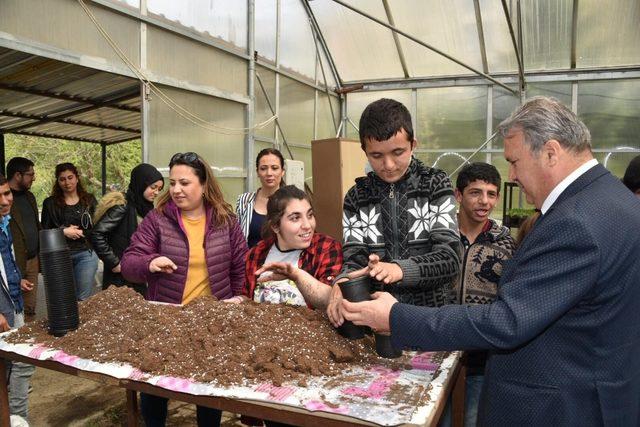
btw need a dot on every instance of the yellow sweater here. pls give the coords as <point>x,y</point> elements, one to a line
<point>197,275</point>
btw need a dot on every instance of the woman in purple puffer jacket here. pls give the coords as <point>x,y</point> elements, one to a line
<point>190,245</point>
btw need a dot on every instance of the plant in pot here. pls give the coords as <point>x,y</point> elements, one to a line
<point>515,216</point>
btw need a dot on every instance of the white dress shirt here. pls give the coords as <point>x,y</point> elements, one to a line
<point>558,189</point>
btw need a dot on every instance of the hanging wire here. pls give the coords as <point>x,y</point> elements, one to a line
<point>178,109</point>
<point>474,153</point>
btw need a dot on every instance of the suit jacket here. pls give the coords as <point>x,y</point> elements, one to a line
<point>17,231</point>
<point>563,334</point>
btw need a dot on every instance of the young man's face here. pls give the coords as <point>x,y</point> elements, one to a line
<point>390,158</point>
<point>477,201</point>
<point>6,199</point>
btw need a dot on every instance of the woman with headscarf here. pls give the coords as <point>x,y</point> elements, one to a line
<point>116,219</point>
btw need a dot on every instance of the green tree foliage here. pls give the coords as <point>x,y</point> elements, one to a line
<point>47,153</point>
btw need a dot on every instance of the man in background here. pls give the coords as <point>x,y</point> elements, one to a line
<point>25,226</point>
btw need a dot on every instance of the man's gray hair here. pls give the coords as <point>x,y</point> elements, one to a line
<point>542,118</point>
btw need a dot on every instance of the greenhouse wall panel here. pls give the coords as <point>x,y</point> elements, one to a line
<point>194,62</point>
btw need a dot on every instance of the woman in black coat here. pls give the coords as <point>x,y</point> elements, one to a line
<point>70,208</point>
<point>116,219</point>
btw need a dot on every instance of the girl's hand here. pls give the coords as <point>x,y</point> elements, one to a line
<point>73,232</point>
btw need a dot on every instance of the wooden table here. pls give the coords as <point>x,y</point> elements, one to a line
<point>454,384</point>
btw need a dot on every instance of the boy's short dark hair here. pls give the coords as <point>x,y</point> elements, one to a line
<point>632,175</point>
<point>478,171</point>
<point>18,164</point>
<point>384,118</point>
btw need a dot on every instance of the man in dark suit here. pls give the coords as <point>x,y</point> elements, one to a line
<point>563,333</point>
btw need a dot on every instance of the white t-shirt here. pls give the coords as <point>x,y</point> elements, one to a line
<point>279,291</point>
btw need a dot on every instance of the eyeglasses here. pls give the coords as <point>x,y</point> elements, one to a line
<point>28,173</point>
<point>189,158</point>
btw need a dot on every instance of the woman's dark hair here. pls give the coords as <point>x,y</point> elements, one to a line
<point>267,151</point>
<point>526,227</point>
<point>212,194</point>
<point>277,204</point>
<point>58,195</point>
<point>632,175</point>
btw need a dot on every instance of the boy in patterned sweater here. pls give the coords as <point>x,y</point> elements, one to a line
<point>399,220</point>
<point>487,246</point>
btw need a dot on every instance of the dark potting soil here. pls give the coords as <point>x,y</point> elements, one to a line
<point>207,340</point>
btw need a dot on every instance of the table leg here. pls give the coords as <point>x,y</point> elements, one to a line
<point>5,420</point>
<point>457,397</point>
<point>132,408</point>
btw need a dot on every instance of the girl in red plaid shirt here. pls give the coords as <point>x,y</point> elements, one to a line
<point>290,238</point>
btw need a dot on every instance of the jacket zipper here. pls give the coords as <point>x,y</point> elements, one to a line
<point>394,222</point>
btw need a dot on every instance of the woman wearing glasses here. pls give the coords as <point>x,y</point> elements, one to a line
<point>116,219</point>
<point>189,246</point>
<point>71,208</point>
<point>252,207</point>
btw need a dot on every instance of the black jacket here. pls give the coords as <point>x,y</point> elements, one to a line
<point>53,216</point>
<point>17,232</point>
<point>115,223</point>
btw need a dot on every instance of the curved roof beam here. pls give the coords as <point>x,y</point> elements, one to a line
<point>396,39</point>
<point>428,46</point>
<point>515,44</point>
<point>483,48</point>
<point>316,29</point>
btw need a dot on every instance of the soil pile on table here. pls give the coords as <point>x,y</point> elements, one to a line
<point>207,340</point>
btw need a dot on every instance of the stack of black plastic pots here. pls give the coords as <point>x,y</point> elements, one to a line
<point>57,271</point>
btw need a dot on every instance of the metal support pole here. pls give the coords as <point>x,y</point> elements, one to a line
<point>273,111</point>
<point>574,31</point>
<point>343,114</point>
<point>483,48</point>
<point>521,52</point>
<point>396,39</point>
<point>276,134</point>
<point>489,128</point>
<point>327,52</point>
<point>145,90</point>
<point>515,44</point>
<point>324,79</point>
<point>2,155</point>
<point>103,146</point>
<point>249,140</point>
<point>414,113</point>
